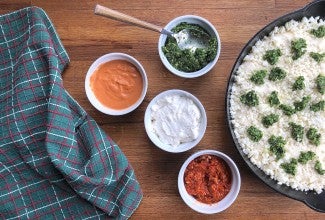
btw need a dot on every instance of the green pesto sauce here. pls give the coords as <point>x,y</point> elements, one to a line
<point>320,83</point>
<point>250,98</point>
<point>254,133</point>
<point>258,77</point>
<point>319,32</point>
<point>287,110</point>
<point>304,157</point>
<point>298,48</point>
<point>269,120</point>
<point>299,84</point>
<point>273,99</point>
<point>313,136</point>
<point>290,167</point>
<point>277,74</point>
<point>272,56</point>
<point>297,131</point>
<point>318,57</point>
<point>299,106</point>
<point>277,146</point>
<point>319,168</point>
<point>319,106</point>
<point>188,60</point>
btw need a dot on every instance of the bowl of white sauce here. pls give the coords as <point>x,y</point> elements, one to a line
<point>175,121</point>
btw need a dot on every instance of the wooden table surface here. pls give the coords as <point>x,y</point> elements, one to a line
<point>86,37</point>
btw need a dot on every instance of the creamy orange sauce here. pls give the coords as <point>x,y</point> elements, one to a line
<point>117,84</point>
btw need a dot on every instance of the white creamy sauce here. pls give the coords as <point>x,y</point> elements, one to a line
<point>175,119</point>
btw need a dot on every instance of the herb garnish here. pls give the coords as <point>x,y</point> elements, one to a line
<point>318,57</point>
<point>277,146</point>
<point>297,131</point>
<point>277,74</point>
<point>254,133</point>
<point>319,32</point>
<point>313,136</point>
<point>304,157</point>
<point>188,60</point>
<point>299,84</point>
<point>319,106</point>
<point>298,48</point>
<point>273,98</point>
<point>258,77</point>
<point>250,98</point>
<point>272,56</point>
<point>287,110</point>
<point>299,106</point>
<point>290,167</point>
<point>320,83</point>
<point>269,120</point>
<point>318,167</point>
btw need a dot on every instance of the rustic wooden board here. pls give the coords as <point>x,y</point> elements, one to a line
<point>86,37</point>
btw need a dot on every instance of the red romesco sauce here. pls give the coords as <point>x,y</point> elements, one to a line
<point>208,179</point>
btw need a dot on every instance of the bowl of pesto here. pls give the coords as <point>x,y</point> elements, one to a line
<point>189,63</point>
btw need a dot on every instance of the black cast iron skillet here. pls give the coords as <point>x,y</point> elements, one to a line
<point>312,199</point>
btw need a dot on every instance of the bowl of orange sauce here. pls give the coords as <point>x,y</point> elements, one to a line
<point>116,84</point>
<point>209,181</point>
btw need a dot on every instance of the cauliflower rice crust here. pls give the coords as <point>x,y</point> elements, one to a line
<point>302,176</point>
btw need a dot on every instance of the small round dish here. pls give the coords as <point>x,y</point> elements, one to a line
<point>148,122</point>
<point>93,99</point>
<point>191,19</point>
<point>220,206</point>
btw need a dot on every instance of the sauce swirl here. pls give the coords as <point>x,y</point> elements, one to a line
<point>117,84</point>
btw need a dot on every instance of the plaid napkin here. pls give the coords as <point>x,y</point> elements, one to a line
<point>55,162</point>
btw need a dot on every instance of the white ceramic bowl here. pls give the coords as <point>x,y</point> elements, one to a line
<point>192,19</point>
<point>183,146</point>
<point>225,202</point>
<point>91,96</point>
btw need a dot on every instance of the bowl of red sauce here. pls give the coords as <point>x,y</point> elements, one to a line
<point>116,84</point>
<point>209,181</point>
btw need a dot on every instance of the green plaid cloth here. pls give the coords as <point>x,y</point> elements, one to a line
<point>55,162</point>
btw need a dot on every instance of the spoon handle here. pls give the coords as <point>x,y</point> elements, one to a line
<point>107,12</point>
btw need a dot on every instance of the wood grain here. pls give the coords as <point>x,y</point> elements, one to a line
<point>87,36</point>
